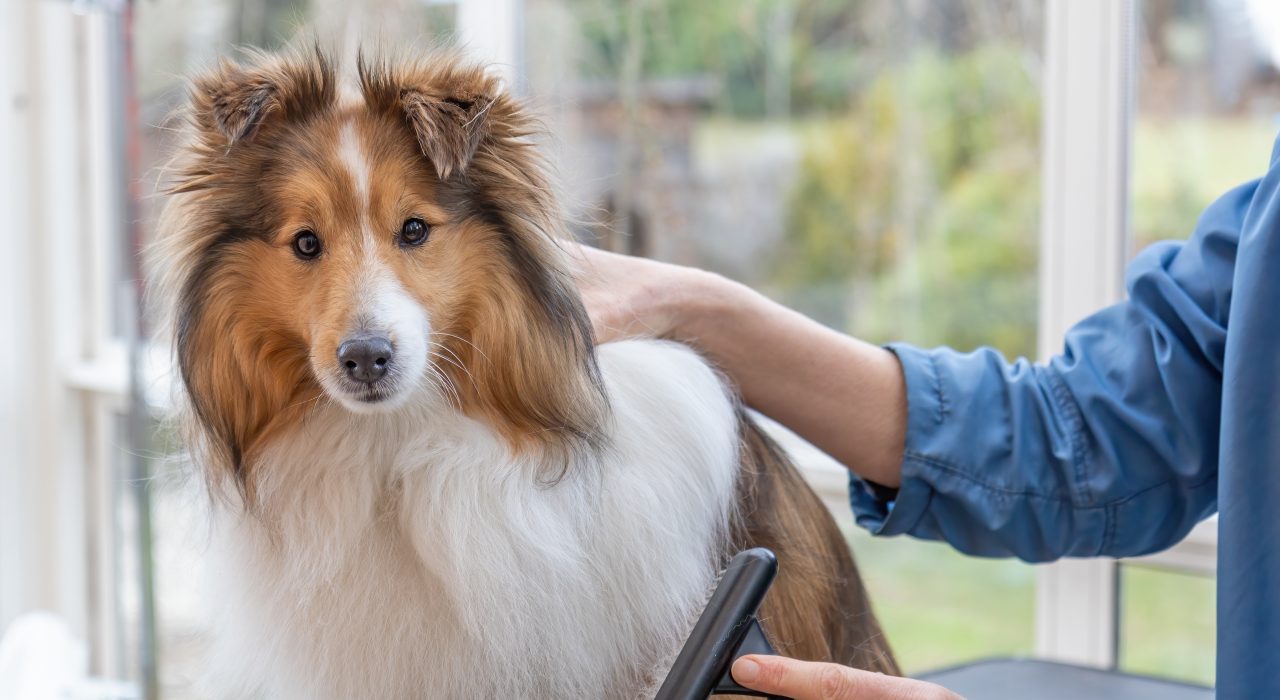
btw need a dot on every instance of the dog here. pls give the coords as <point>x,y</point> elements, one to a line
<point>424,478</point>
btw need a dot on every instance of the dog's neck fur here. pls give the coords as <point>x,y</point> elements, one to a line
<point>412,555</point>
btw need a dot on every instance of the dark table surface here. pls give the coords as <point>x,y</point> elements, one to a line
<point>1007,679</point>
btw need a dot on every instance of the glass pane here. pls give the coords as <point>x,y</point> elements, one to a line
<point>874,164</point>
<point>1167,624</point>
<point>1207,108</point>
<point>940,607</point>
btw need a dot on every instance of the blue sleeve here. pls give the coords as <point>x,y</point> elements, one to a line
<point>1111,448</point>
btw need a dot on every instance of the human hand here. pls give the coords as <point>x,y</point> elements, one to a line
<point>805,680</point>
<point>628,296</point>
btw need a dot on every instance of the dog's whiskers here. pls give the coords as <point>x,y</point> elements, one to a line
<point>313,399</point>
<point>468,342</point>
<point>453,359</point>
<point>441,382</point>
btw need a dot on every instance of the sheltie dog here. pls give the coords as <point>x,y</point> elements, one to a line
<point>425,480</point>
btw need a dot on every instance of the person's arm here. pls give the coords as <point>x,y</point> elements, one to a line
<point>1108,449</point>
<point>839,393</point>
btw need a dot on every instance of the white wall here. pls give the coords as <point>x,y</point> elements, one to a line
<point>15,280</point>
<point>42,237</point>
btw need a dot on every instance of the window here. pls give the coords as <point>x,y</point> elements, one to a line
<point>939,171</point>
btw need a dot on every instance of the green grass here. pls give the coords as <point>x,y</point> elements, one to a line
<point>939,607</point>
<point>1181,166</point>
<point>1167,624</point>
<point>1214,153</point>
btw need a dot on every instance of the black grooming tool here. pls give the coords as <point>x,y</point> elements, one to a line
<point>728,629</point>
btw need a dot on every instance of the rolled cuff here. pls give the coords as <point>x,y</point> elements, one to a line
<point>964,482</point>
<point>885,511</point>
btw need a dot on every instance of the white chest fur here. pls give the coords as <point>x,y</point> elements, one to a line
<point>415,558</point>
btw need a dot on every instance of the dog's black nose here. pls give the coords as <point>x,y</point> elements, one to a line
<point>365,357</point>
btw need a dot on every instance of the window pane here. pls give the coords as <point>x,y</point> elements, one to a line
<point>940,607</point>
<point>1207,108</point>
<point>874,164</point>
<point>1167,624</point>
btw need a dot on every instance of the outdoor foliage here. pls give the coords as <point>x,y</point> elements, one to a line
<point>921,205</point>
<point>805,53</point>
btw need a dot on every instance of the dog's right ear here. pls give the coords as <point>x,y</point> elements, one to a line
<point>238,101</point>
<point>232,102</point>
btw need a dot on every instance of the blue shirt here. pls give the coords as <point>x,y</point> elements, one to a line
<point>1160,411</point>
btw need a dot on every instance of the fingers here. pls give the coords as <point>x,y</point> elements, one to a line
<point>610,320</point>
<point>805,680</point>
<point>602,305</point>
<point>613,289</point>
<point>628,297</point>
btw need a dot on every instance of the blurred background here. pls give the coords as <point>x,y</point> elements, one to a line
<point>961,172</point>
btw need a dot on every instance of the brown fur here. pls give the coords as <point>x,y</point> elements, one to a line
<point>253,323</point>
<point>818,607</point>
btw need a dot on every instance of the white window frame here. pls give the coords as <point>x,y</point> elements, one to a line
<point>15,447</point>
<point>1087,116</point>
<point>492,31</point>
<point>58,536</point>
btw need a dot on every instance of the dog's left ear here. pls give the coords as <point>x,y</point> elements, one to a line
<point>448,106</point>
<point>449,129</point>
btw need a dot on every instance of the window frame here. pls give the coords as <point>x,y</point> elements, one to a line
<point>64,180</point>
<point>15,122</point>
<point>1087,116</point>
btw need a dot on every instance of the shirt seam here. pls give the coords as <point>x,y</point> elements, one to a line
<point>943,410</point>
<point>954,470</point>
<point>1111,516</point>
<point>1115,506</point>
<point>1080,451</point>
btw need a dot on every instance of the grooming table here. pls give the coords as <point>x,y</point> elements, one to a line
<point>1016,679</point>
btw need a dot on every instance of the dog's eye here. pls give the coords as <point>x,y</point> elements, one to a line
<point>306,245</point>
<point>414,232</point>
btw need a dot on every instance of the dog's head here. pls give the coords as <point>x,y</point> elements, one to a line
<point>394,242</point>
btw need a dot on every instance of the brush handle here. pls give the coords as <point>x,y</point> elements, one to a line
<point>726,630</point>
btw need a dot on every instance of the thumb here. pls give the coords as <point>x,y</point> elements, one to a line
<point>804,680</point>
